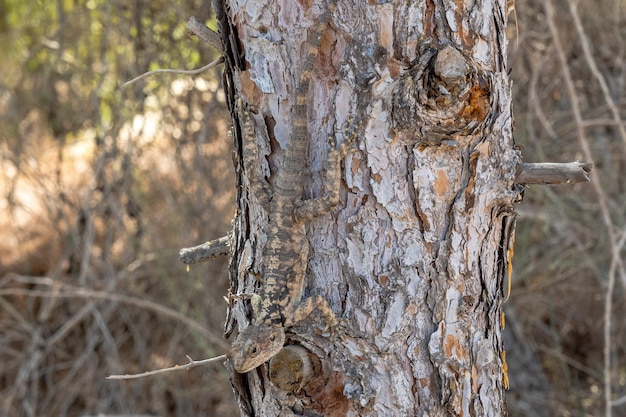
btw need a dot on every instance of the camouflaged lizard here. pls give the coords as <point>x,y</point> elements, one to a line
<point>279,303</point>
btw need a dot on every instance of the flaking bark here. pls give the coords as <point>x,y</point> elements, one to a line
<point>416,257</point>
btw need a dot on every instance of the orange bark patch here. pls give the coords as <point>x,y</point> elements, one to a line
<point>411,310</point>
<point>383,280</point>
<point>306,4</point>
<point>354,164</point>
<point>394,68</point>
<point>249,89</point>
<point>416,351</point>
<point>465,33</point>
<point>442,183</point>
<point>478,103</point>
<point>451,346</point>
<point>505,371</point>
<point>331,401</point>
<point>386,27</point>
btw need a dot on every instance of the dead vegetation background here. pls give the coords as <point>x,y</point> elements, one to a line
<point>101,185</point>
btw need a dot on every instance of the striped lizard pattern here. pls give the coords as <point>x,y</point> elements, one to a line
<point>279,304</point>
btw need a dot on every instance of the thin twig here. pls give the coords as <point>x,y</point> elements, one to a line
<point>597,187</point>
<point>175,71</point>
<point>608,315</point>
<point>616,246</point>
<point>619,401</point>
<point>606,93</point>
<point>191,364</point>
<point>68,291</point>
<point>595,71</point>
<point>570,361</point>
<point>619,123</point>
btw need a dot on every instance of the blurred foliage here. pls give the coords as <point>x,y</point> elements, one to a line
<point>101,185</point>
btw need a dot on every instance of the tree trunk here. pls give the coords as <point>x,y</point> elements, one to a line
<point>414,260</point>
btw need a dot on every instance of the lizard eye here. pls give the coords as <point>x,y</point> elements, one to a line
<point>253,350</point>
<point>272,337</point>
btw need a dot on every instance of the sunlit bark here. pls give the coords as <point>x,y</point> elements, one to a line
<point>415,259</point>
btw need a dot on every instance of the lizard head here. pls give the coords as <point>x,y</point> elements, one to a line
<point>255,345</point>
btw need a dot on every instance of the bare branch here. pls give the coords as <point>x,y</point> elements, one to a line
<point>206,251</point>
<point>68,291</point>
<point>175,71</point>
<point>617,263</point>
<point>553,173</point>
<point>204,33</point>
<point>191,364</point>
<point>619,401</point>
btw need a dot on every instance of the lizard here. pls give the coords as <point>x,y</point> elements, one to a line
<point>279,304</point>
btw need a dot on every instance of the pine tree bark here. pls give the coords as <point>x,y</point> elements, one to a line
<point>415,259</point>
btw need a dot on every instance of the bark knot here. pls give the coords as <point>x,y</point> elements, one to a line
<point>441,98</point>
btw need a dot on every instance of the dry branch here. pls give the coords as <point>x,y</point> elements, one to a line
<point>617,263</point>
<point>204,33</point>
<point>60,290</point>
<point>175,71</point>
<point>206,251</point>
<point>191,364</point>
<point>553,173</point>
